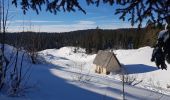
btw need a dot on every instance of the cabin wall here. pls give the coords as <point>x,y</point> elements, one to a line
<point>114,69</point>
<point>113,65</point>
<point>100,70</point>
<point>104,70</point>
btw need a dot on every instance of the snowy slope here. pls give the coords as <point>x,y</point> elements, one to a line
<point>65,75</point>
<point>137,62</point>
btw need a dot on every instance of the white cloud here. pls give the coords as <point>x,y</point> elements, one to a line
<point>78,25</point>
<point>35,21</point>
<point>115,25</point>
<point>86,22</point>
<point>63,27</point>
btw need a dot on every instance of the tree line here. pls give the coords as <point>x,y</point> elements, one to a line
<point>92,39</point>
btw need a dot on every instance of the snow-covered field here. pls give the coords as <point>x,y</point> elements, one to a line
<point>65,75</point>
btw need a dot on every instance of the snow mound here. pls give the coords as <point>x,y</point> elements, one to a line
<point>135,56</point>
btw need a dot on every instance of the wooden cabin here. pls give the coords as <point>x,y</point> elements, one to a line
<point>106,62</point>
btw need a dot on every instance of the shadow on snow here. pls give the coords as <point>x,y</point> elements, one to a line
<point>52,87</point>
<point>139,68</point>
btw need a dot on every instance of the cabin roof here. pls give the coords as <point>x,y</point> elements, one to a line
<point>106,59</point>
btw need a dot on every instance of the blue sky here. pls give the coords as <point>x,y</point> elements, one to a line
<point>102,16</point>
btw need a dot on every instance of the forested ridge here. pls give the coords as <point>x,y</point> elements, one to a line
<point>92,39</point>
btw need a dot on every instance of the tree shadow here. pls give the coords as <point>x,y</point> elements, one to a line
<point>50,56</point>
<point>138,68</point>
<point>51,87</point>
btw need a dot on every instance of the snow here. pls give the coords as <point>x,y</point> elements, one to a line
<point>163,34</point>
<point>65,75</point>
<point>138,63</point>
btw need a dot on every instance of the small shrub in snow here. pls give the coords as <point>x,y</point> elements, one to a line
<point>15,74</point>
<point>18,76</point>
<point>130,79</point>
<point>80,76</point>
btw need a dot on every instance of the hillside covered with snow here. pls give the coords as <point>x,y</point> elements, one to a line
<point>63,74</point>
<point>135,61</point>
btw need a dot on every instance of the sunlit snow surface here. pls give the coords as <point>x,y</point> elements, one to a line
<point>65,75</point>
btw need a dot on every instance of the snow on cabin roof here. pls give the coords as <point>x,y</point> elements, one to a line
<point>103,59</point>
